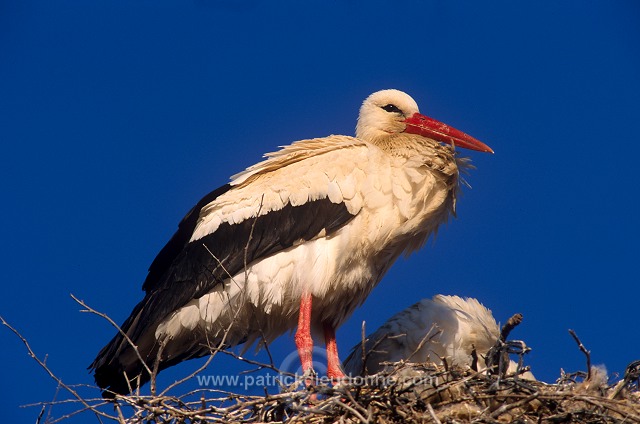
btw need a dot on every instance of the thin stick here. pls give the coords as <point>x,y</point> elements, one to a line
<point>260,365</point>
<point>113,323</point>
<point>583,350</point>
<point>156,367</point>
<point>353,411</point>
<point>177,383</point>
<point>507,407</point>
<point>51,374</point>
<point>511,323</point>
<point>433,414</point>
<point>246,246</point>
<point>363,344</point>
<point>427,338</point>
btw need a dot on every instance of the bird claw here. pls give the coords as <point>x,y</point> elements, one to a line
<point>310,377</point>
<point>337,378</point>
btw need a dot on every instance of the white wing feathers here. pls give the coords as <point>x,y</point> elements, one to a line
<point>304,171</point>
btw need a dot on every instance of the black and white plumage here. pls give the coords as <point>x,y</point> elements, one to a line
<point>298,239</point>
<point>447,327</point>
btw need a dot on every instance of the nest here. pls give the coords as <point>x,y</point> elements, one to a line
<point>422,392</point>
<point>411,392</point>
<point>403,392</point>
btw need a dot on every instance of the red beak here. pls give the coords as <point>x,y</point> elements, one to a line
<point>430,128</point>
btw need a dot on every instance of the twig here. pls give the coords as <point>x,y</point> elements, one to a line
<point>497,358</point>
<point>51,374</point>
<point>260,365</point>
<point>193,374</point>
<point>353,411</point>
<point>363,346</point>
<point>511,323</point>
<point>631,374</point>
<point>427,338</point>
<point>474,359</point>
<point>433,414</point>
<point>156,367</point>
<point>121,419</point>
<point>246,246</point>
<point>113,323</point>
<point>593,401</point>
<point>507,407</point>
<point>40,414</point>
<point>583,350</point>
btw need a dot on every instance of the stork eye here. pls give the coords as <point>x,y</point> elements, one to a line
<point>392,108</point>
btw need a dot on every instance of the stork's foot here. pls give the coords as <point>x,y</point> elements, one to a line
<point>336,375</point>
<point>310,377</point>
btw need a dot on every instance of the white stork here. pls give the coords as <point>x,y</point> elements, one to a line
<point>447,327</point>
<point>298,239</point>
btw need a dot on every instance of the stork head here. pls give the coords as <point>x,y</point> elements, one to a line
<point>392,112</point>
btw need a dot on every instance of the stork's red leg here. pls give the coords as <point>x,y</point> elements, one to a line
<point>303,339</point>
<point>334,371</point>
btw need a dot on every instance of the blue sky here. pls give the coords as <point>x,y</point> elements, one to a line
<point>116,117</point>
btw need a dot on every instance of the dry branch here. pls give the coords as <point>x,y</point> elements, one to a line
<point>583,350</point>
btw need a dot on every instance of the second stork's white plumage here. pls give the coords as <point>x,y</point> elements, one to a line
<point>447,328</point>
<point>298,239</point>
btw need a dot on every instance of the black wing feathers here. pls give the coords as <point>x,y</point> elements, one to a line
<point>223,253</point>
<point>172,249</point>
